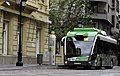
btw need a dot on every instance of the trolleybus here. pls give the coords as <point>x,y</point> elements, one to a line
<point>89,47</point>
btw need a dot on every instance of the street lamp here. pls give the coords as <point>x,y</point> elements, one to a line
<point>7,2</point>
<point>21,5</point>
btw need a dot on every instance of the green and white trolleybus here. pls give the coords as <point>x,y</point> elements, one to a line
<point>89,47</point>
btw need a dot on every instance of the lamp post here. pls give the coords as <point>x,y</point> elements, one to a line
<point>118,44</point>
<point>19,62</point>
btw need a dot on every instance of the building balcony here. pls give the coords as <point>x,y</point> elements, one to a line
<point>38,5</point>
<point>99,16</point>
<point>102,16</point>
<point>100,0</point>
<point>31,5</point>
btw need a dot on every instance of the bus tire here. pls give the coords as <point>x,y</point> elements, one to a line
<point>100,62</point>
<point>101,67</point>
<point>111,65</point>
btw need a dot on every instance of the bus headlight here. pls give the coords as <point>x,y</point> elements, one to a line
<point>89,62</point>
<point>71,59</point>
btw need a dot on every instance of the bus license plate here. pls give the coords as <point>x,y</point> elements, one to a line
<point>77,63</point>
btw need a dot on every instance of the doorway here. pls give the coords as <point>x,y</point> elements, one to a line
<point>37,41</point>
<point>5,37</point>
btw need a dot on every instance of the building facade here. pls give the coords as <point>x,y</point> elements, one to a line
<point>35,22</point>
<point>105,15</point>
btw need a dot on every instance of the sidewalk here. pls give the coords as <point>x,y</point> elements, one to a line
<point>25,66</point>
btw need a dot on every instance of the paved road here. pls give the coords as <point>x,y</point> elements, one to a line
<point>48,71</point>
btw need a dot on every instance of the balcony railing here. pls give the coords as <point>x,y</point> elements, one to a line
<point>42,7</point>
<point>31,5</point>
<point>99,16</point>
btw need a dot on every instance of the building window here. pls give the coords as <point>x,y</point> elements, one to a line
<point>108,8</point>
<point>95,24</point>
<point>117,26</point>
<point>104,28</point>
<point>38,40</point>
<point>58,47</point>
<point>113,3</point>
<point>117,6</point>
<point>5,38</point>
<point>94,8</point>
<point>42,1</point>
<point>113,20</point>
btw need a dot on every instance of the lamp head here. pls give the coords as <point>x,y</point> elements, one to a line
<point>7,2</point>
<point>23,2</point>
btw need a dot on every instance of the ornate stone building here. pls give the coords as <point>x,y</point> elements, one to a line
<point>35,22</point>
<point>105,15</point>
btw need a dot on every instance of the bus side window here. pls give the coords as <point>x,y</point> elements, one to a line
<point>95,48</point>
<point>95,51</point>
<point>70,47</point>
<point>99,46</point>
<point>94,55</point>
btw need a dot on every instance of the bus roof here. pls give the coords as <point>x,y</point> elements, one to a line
<point>107,39</point>
<point>86,32</point>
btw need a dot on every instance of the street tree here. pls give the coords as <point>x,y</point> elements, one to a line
<point>67,14</point>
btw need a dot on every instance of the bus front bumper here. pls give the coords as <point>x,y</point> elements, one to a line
<point>78,63</point>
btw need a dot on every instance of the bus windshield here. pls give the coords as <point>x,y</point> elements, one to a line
<point>85,46</point>
<point>76,47</point>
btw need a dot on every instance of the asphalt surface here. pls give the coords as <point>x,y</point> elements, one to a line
<point>45,70</point>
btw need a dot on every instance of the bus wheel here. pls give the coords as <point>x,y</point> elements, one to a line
<point>101,67</point>
<point>111,65</point>
<point>100,62</point>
